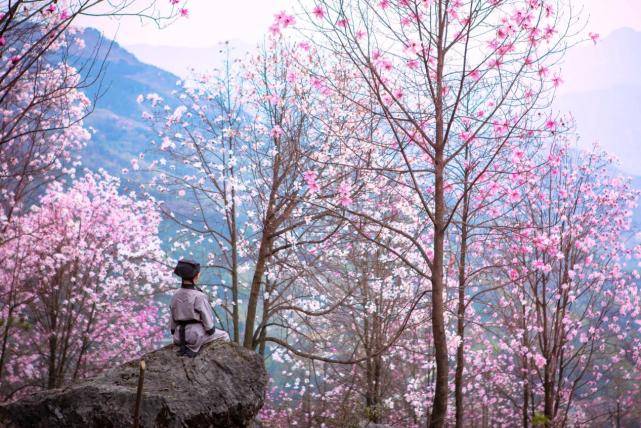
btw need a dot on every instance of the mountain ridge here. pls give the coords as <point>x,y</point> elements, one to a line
<point>118,131</point>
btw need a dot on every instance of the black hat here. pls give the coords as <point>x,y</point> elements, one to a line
<point>187,269</point>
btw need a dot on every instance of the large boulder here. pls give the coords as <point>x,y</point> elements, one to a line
<point>224,386</point>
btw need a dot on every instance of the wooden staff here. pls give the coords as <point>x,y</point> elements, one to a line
<point>141,380</point>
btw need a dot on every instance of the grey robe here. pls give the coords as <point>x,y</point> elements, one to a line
<point>191,304</point>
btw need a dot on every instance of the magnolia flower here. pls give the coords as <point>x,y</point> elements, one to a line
<point>318,12</point>
<point>344,191</point>
<point>310,179</point>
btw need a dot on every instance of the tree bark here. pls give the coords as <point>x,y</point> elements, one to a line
<point>234,274</point>
<point>460,322</point>
<point>263,331</point>
<point>254,294</point>
<point>5,339</point>
<point>439,406</point>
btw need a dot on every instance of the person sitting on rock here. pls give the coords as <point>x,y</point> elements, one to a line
<point>192,317</point>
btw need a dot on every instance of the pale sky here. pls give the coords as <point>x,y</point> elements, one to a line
<point>214,21</point>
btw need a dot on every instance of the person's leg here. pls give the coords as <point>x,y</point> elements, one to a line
<point>221,335</point>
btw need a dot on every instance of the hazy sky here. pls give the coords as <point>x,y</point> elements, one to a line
<point>213,21</point>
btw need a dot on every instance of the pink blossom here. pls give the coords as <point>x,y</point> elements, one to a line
<point>514,195</point>
<point>285,20</point>
<point>385,64</point>
<point>500,128</point>
<point>412,64</point>
<point>317,83</point>
<point>344,191</point>
<point>291,76</point>
<point>465,136</point>
<point>318,12</point>
<point>495,63</point>
<point>475,74</point>
<point>274,29</point>
<point>310,179</point>
<point>276,131</point>
<point>549,32</point>
<point>539,360</point>
<point>544,71</point>
<point>551,124</point>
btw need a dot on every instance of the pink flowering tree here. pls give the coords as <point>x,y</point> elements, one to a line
<point>560,320</point>
<point>80,271</point>
<point>41,102</point>
<point>233,153</point>
<point>41,130</point>
<point>446,78</point>
<point>342,362</point>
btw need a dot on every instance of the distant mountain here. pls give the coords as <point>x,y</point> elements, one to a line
<point>181,60</point>
<point>119,133</point>
<point>603,92</point>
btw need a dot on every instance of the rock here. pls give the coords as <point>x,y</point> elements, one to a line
<point>368,424</point>
<point>224,386</point>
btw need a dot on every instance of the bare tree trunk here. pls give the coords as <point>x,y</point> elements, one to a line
<point>263,331</point>
<point>53,344</point>
<point>460,322</point>
<point>234,275</point>
<point>548,388</point>
<point>439,406</point>
<point>85,343</point>
<point>5,338</point>
<point>254,294</point>
<point>264,252</point>
<point>526,378</point>
<point>8,324</point>
<point>526,399</point>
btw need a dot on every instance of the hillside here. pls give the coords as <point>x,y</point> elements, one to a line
<point>119,133</point>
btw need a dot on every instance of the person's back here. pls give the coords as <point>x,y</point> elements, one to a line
<point>192,318</point>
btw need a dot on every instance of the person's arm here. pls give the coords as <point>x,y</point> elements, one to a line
<point>203,307</point>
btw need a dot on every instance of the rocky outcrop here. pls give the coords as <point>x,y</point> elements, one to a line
<point>224,386</point>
